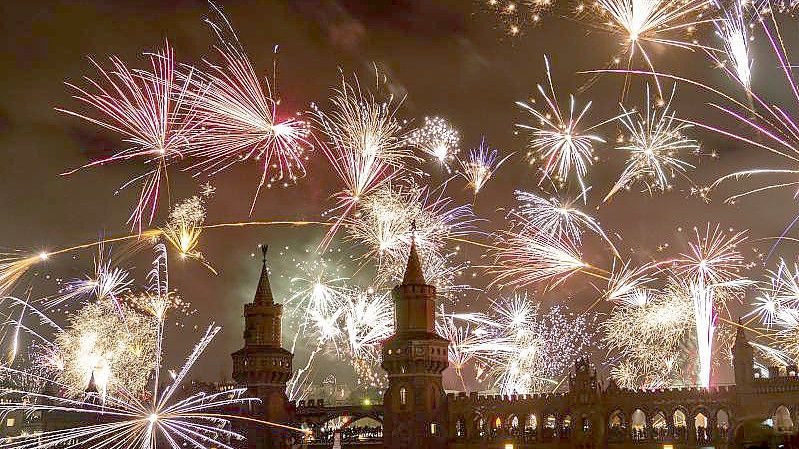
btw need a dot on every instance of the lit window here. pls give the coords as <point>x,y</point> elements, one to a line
<point>403,396</point>
<point>433,428</point>
<point>10,422</point>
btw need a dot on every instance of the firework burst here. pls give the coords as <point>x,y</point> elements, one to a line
<point>559,218</point>
<point>655,143</point>
<point>482,164</point>
<point>523,349</point>
<point>240,118</point>
<point>437,139</point>
<point>149,111</point>
<point>558,139</point>
<point>646,336</point>
<point>365,145</point>
<point>640,22</point>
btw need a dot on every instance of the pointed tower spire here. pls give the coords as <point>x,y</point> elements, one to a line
<point>413,271</point>
<point>263,294</point>
<point>92,387</point>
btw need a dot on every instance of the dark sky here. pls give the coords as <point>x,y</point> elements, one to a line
<point>449,57</point>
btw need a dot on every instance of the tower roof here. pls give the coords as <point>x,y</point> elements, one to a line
<point>413,271</point>
<point>263,294</point>
<point>92,387</point>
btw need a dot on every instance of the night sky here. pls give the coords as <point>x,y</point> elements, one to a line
<point>449,58</point>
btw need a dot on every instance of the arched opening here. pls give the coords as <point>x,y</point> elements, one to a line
<point>550,422</point>
<point>566,426</point>
<point>550,426</point>
<point>700,420</point>
<point>659,421</point>
<point>460,428</point>
<point>532,422</point>
<point>638,425</point>
<point>481,427</point>
<point>403,396</point>
<point>616,426</point>
<point>497,423</point>
<point>782,419</point>
<point>700,425</point>
<point>723,424</point>
<point>351,429</point>
<point>586,424</point>
<point>680,420</point>
<point>638,420</point>
<point>616,420</point>
<point>514,422</point>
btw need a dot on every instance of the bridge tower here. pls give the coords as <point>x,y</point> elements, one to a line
<point>743,359</point>
<point>263,366</point>
<point>414,357</point>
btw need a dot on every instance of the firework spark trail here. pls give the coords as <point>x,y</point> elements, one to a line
<point>645,333</point>
<point>393,215</point>
<point>482,164</point>
<point>437,139</point>
<point>655,142</point>
<point>733,30</point>
<point>777,307</point>
<point>705,316</point>
<point>365,145</point>
<point>106,283</point>
<point>149,111</point>
<point>558,140</point>
<point>528,257</point>
<point>239,117</point>
<point>630,285</point>
<point>521,348</point>
<point>650,21</point>
<point>711,275</point>
<point>714,257</point>
<point>558,217</point>
<point>125,420</point>
<point>462,342</point>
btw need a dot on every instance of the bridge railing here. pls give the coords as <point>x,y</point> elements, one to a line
<point>349,434</point>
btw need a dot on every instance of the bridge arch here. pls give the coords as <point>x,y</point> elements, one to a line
<point>531,422</point>
<point>638,420</point>
<point>782,419</point>
<point>616,419</point>
<point>659,421</point>
<point>460,427</point>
